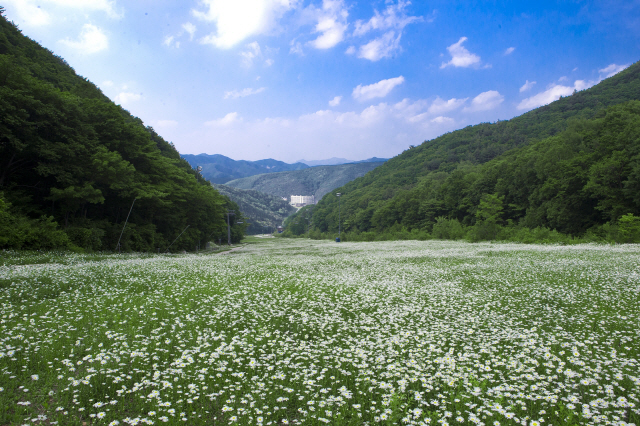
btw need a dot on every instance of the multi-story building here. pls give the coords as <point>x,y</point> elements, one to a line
<point>302,200</point>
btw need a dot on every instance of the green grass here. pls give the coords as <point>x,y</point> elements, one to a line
<point>314,332</point>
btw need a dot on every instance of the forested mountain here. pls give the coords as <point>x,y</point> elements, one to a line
<point>263,212</point>
<point>72,163</point>
<point>572,166</point>
<point>312,181</point>
<point>334,161</point>
<point>220,169</point>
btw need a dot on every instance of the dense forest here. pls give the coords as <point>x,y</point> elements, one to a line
<point>73,166</point>
<point>263,212</point>
<point>571,167</point>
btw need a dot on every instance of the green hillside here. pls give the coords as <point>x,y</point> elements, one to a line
<point>315,181</point>
<point>571,166</point>
<point>72,163</point>
<point>220,169</point>
<point>263,212</point>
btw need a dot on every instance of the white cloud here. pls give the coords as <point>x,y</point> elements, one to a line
<point>509,51</point>
<point>440,106</point>
<point>335,101</point>
<point>29,12</point>
<point>106,6</point>
<point>296,47</point>
<point>170,41</point>
<point>124,98</point>
<point>107,83</point>
<point>392,21</point>
<point>460,56</point>
<point>92,40</point>
<point>381,47</point>
<point>443,120</point>
<point>239,19</point>
<point>376,90</point>
<point>485,101</point>
<point>612,70</point>
<point>189,28</point>
<point>527,86</point>
<point>253,51</point>
<point>332,24</point>
<point>234,94</point>
<point>383,130</point>
<point>393,17</point>
<point>225,121</point>
<point>553,93</point>
<point>350,50</point>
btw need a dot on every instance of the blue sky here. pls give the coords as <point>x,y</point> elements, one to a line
<point>294,79</point>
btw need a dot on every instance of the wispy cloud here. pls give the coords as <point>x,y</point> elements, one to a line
<point>91,40</point>
<point>509,51</point>
<point>225,121</point>
<point>381,47</point>
<point>126,98</point>
<point>612,70</point>
<point>376,90</point>
<point>527,86</point>
<point>332,24</point>
<point>239,19</point>
<point>335,101</point>
<point>392,22</point>
<point>235,94</point>
<point>460,56</point>
<point>440,106</point>
<point>553,93</point>
<point>393,17</point>
<point>252,52</point>
<point>189,28</point>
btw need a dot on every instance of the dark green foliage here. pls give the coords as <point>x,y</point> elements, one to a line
<point>629,228</point>
<point>70,159</point>
<point>18,231</point>
<point>569,167</point>
<point>315,181</point>
<point>263,211</point>
<point>220,169</point>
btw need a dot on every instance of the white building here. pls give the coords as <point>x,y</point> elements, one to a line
<point>302,200</point>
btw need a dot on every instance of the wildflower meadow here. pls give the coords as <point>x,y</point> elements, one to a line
<point>314,332</point>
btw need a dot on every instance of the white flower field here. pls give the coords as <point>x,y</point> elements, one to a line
<point>314,332</point>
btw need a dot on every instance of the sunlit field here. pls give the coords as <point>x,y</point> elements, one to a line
<point>315,332</point>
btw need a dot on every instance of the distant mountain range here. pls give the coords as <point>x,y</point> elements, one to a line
<point>220,169</point>
<point>315,181</point>
<point>334,161</point>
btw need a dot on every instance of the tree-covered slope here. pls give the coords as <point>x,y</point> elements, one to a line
<point>315,181</point>
<point>263,212</point>
<point>568,154</point>
<point>220,169</point>
<point>72,163</point>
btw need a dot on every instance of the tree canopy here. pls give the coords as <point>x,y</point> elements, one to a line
<point>569,166</point>
<point>72,163</point>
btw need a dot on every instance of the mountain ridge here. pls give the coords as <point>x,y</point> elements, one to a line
<point>220,169</point>
<point>316,181</point>
<point>444,177</point>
